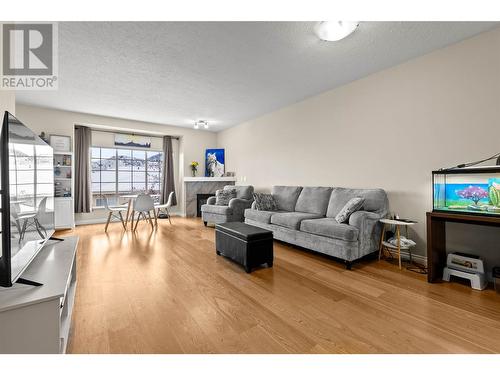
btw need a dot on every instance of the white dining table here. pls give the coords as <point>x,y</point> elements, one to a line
<point>131,198</point>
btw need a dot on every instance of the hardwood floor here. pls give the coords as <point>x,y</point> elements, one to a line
<point>167,292</point>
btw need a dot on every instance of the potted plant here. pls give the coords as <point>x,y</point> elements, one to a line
<point>194,167</point>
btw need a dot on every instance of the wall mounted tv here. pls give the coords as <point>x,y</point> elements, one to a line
<point>27,198</point>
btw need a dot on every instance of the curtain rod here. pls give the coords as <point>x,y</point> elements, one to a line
<point>126,133</point>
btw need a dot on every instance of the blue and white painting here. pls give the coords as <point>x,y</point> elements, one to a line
<point>214,162</point>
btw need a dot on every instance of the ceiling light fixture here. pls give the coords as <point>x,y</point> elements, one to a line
<point>201,123</point>
<point>333,31</point>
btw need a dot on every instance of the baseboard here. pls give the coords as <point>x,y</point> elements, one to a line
<point>102,220</point>
<point>98,220</point>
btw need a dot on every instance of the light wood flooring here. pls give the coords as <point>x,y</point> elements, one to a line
<point>165,291</point>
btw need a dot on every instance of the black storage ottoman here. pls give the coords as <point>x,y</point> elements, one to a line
<point>245,244</point>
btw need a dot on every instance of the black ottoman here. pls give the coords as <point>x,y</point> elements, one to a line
<point>245,244</point>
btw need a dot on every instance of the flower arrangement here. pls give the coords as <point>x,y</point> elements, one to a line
<point>194,167</point>
<point>474,193</point>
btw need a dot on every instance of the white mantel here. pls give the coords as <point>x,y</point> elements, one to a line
<point>209,179</point>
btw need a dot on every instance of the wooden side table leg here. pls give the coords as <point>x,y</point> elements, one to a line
<point>381,241</point>
<point>398,234</point>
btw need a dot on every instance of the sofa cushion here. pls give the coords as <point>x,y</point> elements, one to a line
<point>214,209</point>
<point>313,200</point>
<point>330,228</point>
<point>264,202</point>
<point>350,207</point>
<point>375,200</point>
<point>286,197</point>
<point>291,219</point>
<point>222,197</point>
<point>243,192</point>
<point>259,216</point>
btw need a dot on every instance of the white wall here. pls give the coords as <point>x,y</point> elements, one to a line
<point>7,102</point>
<point>191,146</point>
<point>388,130</point>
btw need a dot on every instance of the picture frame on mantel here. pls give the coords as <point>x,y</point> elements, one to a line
<point>60,143</point>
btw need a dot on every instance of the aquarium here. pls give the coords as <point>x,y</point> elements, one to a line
<point>473,191</point>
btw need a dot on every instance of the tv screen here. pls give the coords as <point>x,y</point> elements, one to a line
<point>27,202</point>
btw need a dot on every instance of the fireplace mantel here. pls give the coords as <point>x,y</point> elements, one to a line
<point>201,185</point>
<point>209,179</point>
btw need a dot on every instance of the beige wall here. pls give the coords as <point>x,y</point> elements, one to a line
<point>191,145</point>
<point>388,130</point>
<point>7,102</point>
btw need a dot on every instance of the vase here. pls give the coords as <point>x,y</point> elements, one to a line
<point>193,172</point>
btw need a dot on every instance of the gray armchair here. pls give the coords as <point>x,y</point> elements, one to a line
<point>212,213</point>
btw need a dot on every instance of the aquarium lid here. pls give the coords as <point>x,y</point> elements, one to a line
<point>475,169</point>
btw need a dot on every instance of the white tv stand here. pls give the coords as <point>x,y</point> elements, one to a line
<point>37,319</point>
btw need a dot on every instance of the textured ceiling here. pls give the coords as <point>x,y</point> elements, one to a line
<point>224,72</point>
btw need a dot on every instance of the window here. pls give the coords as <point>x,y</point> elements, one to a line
<point>118,171</point>
<point>31,174</point>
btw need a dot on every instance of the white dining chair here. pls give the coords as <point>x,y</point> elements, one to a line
<point>29,219</point>
<point>165,206</point>
<point>114,211</point>
<point>143,205</point>
<point>14,217</point>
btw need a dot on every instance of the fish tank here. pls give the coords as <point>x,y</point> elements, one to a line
<point>474,190</point>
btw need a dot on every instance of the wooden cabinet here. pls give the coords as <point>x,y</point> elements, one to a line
<point>436,238</point>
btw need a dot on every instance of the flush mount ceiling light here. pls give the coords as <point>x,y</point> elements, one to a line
<point>201,123</point>
<point>332,31</point>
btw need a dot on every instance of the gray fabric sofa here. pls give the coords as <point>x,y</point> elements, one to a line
<point>306,218</point>
<point>212,213</point>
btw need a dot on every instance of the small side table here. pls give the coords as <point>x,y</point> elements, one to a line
<point>387,245</point>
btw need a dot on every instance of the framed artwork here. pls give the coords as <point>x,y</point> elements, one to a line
<point>214,162</point>
<point>127,140</point>
<point>60,143</point>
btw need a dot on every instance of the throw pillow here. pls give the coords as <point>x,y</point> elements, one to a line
<point>353,205</point>
<point>264,202</point>
<point>222,197</point>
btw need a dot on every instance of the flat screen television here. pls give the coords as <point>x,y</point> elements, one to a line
<point>27,198</point>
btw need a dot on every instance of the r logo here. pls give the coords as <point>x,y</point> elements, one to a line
<point>27,49</point>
